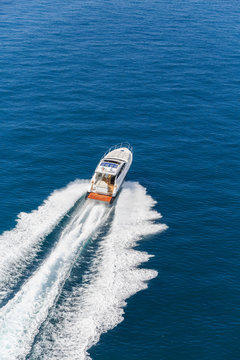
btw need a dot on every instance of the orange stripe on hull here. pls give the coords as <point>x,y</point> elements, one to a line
<point>100,197</point>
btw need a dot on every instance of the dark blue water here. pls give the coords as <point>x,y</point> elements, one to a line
<point>80,76</point>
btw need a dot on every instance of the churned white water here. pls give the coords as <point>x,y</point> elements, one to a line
<point>92,308</point>
<point>98,304</point>
<point>22,316</point>
<point>19,246</point>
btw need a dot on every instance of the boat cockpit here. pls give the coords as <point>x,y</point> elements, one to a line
<point>107,174</point>
<point>104,182</point>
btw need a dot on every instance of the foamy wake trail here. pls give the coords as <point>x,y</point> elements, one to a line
<point>22,316</point>
<point>19,246</point>
<point>97,306</point>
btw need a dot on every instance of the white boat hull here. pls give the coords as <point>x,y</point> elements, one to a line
<point>110,173</point>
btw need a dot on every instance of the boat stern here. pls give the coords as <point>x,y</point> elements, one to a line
<point>100,197</point>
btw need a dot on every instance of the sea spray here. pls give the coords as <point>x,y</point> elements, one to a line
<point>97,304</point>
<point>19,246</point>
<point>22,316</point>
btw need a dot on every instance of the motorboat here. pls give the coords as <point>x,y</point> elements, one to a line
<point>110,173</point>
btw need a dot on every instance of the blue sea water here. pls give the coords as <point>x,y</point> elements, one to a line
<point>77,77</point>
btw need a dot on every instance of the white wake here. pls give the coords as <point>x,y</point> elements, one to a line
<point>97,306</point>
<point>19,246</point>
<point>22,316</point>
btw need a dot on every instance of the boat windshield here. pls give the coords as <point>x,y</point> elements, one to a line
<point>112,161</point>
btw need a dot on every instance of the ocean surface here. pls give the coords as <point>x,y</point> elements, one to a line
<point>156,276</point>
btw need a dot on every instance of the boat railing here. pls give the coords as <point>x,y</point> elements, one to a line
<point>120,145</point>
